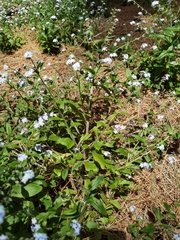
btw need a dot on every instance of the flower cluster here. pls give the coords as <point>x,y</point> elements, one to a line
<point>76,226</point>
<point>34,225</point>
<point>145,165</point>
<point>2,213</point>
<point>29,174</point>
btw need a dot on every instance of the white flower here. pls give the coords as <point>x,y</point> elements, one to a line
<point>5,67</point>
<point>151,137</point>
<point>172,159</point>
<point>128,176</point>
<point>145,125</point>
<point>160,117</point>
<point>22,82</point>
<point>22,156</point>
<point>145,165</point>
<point>45,117</point>
<point>178,100</point>
<point>106,153</point>
<point>23,131</point>
<point>154,3</point>
<point>113,55</point>
<point>134,76</point>
<point>70,61</point>
<point>140,13</point>
<point>125,57</point>
<point>29,174</point>
<point>28,55</point>
<point>52,114</point>
<point>53,17</point>
<point>104,49</point>
<point>34,226</point>
<point>76,66</point>
<point>48,153</point>
<point>161,147</point>
<point>118,128</point>
<point>144,45</point>
<point>116,20</point>
<point>154,47</point>
<point>38,147</point>
<point>75,149</point>
<point>1,143</point>
<point>107,60</point>
<point>132,208</point>
<point>55,40</point>
<point>132,23</point>
<point>2,80</point>
<point>156,93</point>
<point>147,75</point>
<point>24,120</point>
<point>40,121</point>
<point>138,100</point>
<point>29,73</point>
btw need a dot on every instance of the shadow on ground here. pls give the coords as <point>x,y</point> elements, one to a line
<point>106,235</point>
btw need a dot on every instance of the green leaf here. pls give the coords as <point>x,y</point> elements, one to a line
<point>46,200</point>
<point>134,230</point>
<point>98,145</point>
<point>91,225</point>
<point>115,204</point>
<point>128,73</point>
<point>33,189</point>
<point>172,215</point>
<point>57,171</point>
<point>157,213</point>
<point>67,142</point>
<point>90,166</point>
<point>17,191</point>
<point>99,159</point>
<point>139,138</point>
<point>84,138</point>
<point>167,207</point>
<point>70,212</point>
<point>150,229</point>
<point>98,205</point>
<point>96,183</point>
<point>77,165</point>
<point>8,129</point>
<point>64,174</point>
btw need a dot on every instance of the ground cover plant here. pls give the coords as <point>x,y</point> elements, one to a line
<point>89,120</point>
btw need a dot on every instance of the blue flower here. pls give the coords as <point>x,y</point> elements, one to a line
<point>76,226</point>
<point>34,226</point>
<point>40,236</point>
<point>3,237</point>
<point>2,213</point>
<point>29,174</point>
<point>176,236</point>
